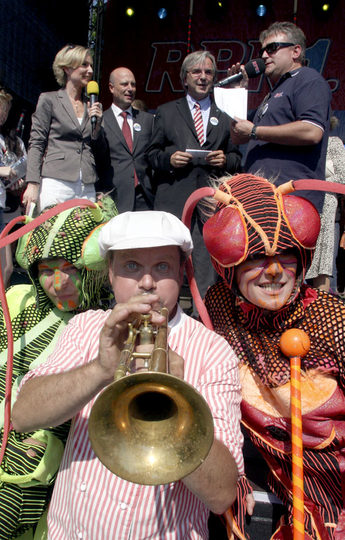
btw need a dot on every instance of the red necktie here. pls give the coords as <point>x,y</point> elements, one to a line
<point>126,130</point>
<point>199,124</point>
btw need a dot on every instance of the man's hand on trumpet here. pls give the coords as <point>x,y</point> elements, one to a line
<point>115,332</point>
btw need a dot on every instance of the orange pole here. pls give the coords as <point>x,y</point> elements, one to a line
<point>295,344</point>
<point>297,449</point>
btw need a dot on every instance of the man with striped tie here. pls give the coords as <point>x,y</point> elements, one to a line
<point>193,122</point>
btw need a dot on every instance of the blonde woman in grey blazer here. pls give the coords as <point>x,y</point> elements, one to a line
<point>61,162</point>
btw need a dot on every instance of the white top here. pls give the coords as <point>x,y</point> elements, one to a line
<point>89,502</point>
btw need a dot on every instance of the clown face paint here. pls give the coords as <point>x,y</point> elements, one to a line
<point>267,282</point>
<point>61,282</point>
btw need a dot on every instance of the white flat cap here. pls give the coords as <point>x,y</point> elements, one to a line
<point>132,230</point>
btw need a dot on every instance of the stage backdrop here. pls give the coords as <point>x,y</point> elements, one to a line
<point>154,49</point>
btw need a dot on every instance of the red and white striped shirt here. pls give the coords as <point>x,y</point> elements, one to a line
<point>91,503</point>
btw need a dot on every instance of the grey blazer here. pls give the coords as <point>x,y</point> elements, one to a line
<point>59,147</point>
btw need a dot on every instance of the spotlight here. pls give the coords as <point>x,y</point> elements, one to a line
<point>162,9</point>
<point>217,9</point>
<point>324,8</point>
<point>130,12</point>
<point>162,13</point>
<point>261,10</point>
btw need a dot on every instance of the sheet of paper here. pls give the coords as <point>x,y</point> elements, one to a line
<point>199,156</point>
<point>197,153</point>
<point>233,101</point>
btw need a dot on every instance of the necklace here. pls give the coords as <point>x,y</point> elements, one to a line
<point>78,107</point>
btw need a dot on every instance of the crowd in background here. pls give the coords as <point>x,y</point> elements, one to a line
<point>153,170</point>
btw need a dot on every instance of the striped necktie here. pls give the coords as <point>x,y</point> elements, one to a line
<point>199,125</point>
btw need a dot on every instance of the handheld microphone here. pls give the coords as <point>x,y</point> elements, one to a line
<point>253,68</point>
<point>92,90</point>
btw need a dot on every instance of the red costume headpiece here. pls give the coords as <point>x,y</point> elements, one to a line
<point>254,217</point>
<point>257,218</point>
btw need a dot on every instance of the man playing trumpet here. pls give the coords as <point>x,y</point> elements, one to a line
<point>146,253</point>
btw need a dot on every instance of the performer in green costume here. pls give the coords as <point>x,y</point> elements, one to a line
<point>68,275</point>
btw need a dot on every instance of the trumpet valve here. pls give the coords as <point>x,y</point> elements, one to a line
<point>146,331</point>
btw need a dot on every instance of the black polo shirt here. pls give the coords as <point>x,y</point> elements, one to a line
<point>302,94</point>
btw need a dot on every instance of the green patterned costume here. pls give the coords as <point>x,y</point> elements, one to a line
<point>26,480</point>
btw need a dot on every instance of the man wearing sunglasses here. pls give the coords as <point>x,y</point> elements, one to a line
<point>287,138</point>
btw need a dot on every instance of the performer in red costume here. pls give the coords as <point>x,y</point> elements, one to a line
<point>261,242</point>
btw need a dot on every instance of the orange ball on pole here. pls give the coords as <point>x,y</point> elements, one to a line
<point>294,342</point>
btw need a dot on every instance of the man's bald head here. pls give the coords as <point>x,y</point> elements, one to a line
<point>122,86</point>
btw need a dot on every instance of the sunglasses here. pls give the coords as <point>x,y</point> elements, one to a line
<point>274,47</point>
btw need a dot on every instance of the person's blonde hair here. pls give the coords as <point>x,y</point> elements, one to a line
<point>5,97</point>
<point>12,142</point>
<point>69,56</point>
<point>333,122</point>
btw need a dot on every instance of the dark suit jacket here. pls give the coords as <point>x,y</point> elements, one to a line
<point>59,146</point>
<point>174,130</point>
<point>119,171</point>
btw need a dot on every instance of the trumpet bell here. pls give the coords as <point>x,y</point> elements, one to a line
<point>151,428</point>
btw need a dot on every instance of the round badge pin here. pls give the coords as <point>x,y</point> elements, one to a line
<point>137,127</point>
<point>214,121</point>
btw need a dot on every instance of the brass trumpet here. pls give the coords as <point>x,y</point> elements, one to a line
<point>150,427</point>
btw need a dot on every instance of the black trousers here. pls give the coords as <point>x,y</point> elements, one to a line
<point>205,274</point>
<point>141,200</point>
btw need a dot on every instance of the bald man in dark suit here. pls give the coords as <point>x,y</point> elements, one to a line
<point>127,168</point>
